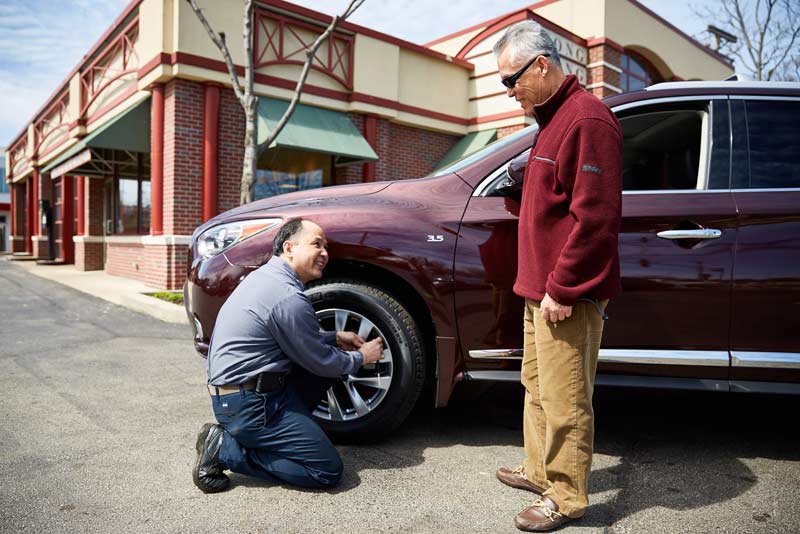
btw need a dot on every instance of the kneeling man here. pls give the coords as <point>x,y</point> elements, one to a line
<point>268,367</point>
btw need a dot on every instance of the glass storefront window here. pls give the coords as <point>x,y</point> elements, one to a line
<point>282,170</point>
<point>144,214</point>
<point>127,206</point>
<point>131,206</point>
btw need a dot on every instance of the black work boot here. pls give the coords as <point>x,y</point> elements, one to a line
<point>207,473</point>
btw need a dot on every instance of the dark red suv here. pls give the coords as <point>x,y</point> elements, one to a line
<point>710,252</point>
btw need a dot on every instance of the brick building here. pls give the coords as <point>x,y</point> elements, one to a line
<point>143,141</point>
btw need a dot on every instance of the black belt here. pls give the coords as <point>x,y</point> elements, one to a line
<point>262,383</point>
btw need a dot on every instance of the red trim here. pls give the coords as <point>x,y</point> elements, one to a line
<point>159,59</point>
<point>479,55</point>
<point>29,215</point>
<point>81,216</point>
<point>497,25</point>
<point>36,226</point>
<point>211,64</point>
<point>6,206</point>
<point>371,135</point>
<point>157,160</point>
<point>497,117</point>
<point>111,105</point>
<point>60,107</point>
<point>67,219</point>
<point>486,23</point>
<point>597,41</point>
<point>13,209</point>
<point>210,150</point>
<point>52,148</point>
<point>525,14</point>
<point>484,75</point>
<point>310,89</point>
<point>490,95</point>
<point>65,82</point>
<point>102,88</point>
<point>369,99</point>
<point>716,55</point>
<point>326,19</point>
<point>329,66</point>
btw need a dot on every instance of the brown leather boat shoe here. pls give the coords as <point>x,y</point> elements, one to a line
<point>517,479</point>
<point>541,516</point>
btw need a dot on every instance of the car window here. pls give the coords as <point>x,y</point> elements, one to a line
<point>774,137</point>
<point>485,151</point>
<point>664,150</point>
<point>665,147</point>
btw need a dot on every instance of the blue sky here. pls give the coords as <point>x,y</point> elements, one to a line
<point>41,41</point>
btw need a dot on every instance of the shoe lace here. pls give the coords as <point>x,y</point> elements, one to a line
<point>520,470</point>
<point>551,514</point>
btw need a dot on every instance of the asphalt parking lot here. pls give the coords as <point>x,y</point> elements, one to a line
<point>102,406</point>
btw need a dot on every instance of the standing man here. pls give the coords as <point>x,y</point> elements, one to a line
<point>269,365</point>
<point>568,269</point>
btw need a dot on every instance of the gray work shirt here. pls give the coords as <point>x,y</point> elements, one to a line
<point>266,324</point>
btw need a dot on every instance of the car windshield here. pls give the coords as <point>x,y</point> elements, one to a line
<point>469,159</point>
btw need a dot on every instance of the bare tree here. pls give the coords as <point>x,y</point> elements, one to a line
<point>767,33</point>
<point>245,94</point>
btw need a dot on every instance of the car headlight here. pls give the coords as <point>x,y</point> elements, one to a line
<point>218,238</point>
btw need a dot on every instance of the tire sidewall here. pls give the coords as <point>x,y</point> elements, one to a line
<point>404,366</point>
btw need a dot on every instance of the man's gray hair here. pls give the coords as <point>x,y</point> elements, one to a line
<point>526,39</point>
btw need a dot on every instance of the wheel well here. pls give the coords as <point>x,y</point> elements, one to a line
<point>403,292</point>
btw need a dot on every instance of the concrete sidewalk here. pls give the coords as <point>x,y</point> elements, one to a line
<point>122,291</point>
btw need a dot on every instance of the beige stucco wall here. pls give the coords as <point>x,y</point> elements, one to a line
<point>624,22</point>
<point>377,68</point>
<point>452,47</point>
<point>630,26</point>
<point>433,84</point>
<point>584,18</point>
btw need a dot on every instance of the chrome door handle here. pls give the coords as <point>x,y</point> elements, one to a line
<point>704,233</point>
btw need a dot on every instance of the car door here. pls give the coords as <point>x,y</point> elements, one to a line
<point>676,246</point>
<point>671,320</point>
<point>488,312</point>
<point>765,333</point>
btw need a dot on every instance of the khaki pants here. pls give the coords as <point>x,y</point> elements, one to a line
<point>558,369</point>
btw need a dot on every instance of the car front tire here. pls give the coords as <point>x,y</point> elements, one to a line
<point>378,397</point>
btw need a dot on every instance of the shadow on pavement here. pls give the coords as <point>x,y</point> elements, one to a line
<point>674,449</point>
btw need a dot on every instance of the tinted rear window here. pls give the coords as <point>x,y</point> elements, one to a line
<point>774,136</point>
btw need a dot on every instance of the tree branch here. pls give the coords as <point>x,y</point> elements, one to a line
<point>310,53</point>
<point>219,40</point>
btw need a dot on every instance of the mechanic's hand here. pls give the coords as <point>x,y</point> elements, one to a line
<point>372,351</point>
<point>553,311</point>
<point>349,340</point>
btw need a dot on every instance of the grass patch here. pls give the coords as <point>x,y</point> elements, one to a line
<point>169,296</point>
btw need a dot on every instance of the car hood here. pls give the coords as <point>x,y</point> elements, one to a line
<point>298,198</point>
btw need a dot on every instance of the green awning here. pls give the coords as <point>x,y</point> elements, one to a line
<point>465,146</point>
<point>314,129</point>
<point>128,132</point>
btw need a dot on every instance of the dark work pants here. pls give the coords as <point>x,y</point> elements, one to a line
<point>272,435</point>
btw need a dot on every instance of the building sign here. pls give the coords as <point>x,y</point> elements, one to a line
<point>573,56</point>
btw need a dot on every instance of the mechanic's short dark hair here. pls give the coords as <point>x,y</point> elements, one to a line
<point>288,231</point>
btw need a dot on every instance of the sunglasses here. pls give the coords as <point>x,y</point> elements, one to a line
<point>511,81</point>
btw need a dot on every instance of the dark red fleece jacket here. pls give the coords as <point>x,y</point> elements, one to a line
<point>571,201</point>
